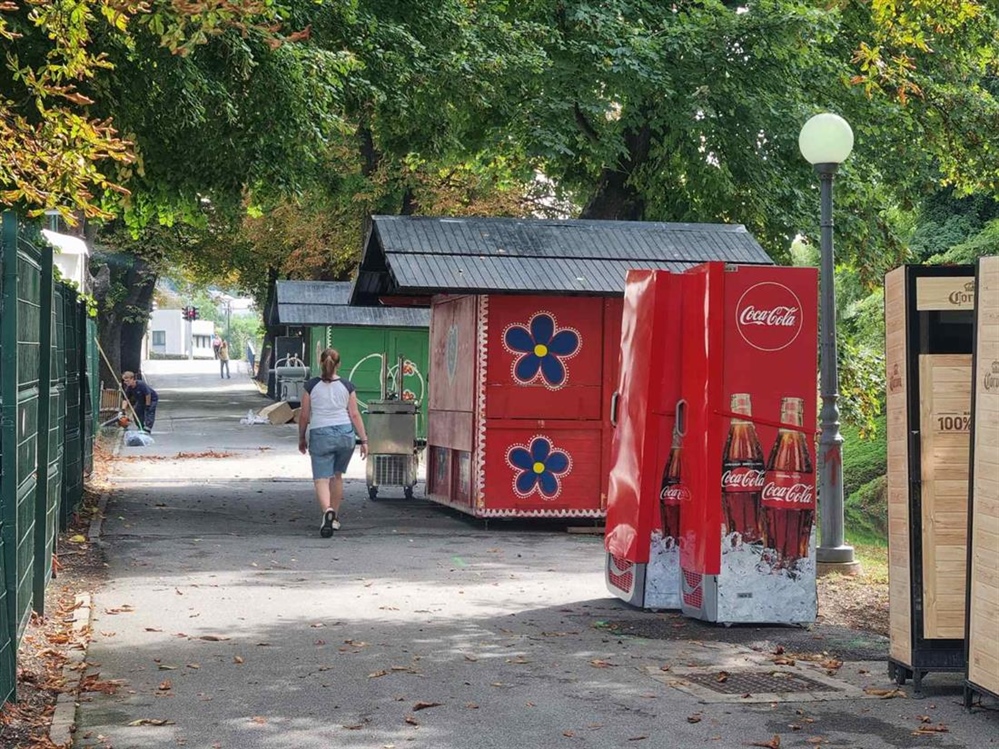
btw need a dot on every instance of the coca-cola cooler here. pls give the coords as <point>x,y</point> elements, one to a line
<point>748,384</point>
<point>644,495</point>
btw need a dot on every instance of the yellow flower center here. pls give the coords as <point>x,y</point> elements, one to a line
<point>539,467</point>
<point>540,350</point>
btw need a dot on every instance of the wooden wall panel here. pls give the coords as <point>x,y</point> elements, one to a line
<point>900,612</point>
<point>945,436</point>
<point>983,601</point>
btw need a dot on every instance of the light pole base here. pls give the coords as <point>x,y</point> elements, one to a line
<point>838,568</point>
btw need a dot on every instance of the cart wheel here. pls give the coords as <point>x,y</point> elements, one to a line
<point>372,493</point>
<point>408,492</point>
<point>901,675</point>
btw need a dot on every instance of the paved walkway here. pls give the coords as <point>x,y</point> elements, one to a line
<point>230,623</point>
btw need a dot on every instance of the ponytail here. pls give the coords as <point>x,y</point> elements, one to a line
<point>329,363</point>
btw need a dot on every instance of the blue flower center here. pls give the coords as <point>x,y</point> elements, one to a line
<point>539,467</point>
<point>540,350</point>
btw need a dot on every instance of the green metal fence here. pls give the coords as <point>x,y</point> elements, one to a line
<point>46,430</point>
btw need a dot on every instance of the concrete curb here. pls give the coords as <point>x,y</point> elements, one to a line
<point>64,717</point>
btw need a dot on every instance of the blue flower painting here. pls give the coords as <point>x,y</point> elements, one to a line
<point>538,467</point>
<point>541,350</point>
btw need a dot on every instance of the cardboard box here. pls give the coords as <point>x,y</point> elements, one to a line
<point>295,414</point>
<point>277,413</point>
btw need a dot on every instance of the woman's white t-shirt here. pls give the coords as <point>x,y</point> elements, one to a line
<point>329,402</point>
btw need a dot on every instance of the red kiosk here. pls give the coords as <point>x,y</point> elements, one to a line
<point>712,491</point>
<point>524,340</point>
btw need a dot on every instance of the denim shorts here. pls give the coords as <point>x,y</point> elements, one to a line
<point>330,449</point>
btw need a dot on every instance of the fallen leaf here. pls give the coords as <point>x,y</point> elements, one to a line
<point>886,694</point>
<point>165,686</point>
<point>472,706</point>
<point>930,730</point>
<point>783,661</point>
<point>151,722</point>
<point>237,659</point>
<point>518,661</point>
<point>471,658</point>
<point>355,726</point>
<point>153,629</point>
<point>774,743</point>
<point>259,719</point>
<point>638,738</point>
<point>599,663</point>
<point>376,674</point>
<point>695,718</point>
<point>212,638</point>
<point>832,664</point>
<point>568,734</point>
<point>412,721</point>
<point>424,705</point>
<point>779,650</point>
<point>164,667</point>
<point>665,667</point>
<point>78,539</point>
<point>722,677</point>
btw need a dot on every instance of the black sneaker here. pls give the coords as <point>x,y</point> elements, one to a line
<point>329,518</point>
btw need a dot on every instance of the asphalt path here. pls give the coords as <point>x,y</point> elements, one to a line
<point>227,622</point>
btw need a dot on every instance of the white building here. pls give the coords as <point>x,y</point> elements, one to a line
<point>70,257</point>
<point>169,334</point>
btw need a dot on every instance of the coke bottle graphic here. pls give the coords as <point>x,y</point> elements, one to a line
<point>742,475</point>
<point>789,490</point>
<point>672,494</point>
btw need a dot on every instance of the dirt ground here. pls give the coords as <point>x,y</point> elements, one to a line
<point>860,603</point>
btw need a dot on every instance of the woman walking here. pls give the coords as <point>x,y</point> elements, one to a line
<point>223,356</point>
<point>328,424</point>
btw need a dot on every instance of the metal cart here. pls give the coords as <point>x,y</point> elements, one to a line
<point>393,450</point>
<point>290,376</point>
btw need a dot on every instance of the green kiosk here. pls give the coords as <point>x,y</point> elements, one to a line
<point>318,313</point>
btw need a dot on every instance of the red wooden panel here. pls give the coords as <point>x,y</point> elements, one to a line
<point>450,429</point>
<point>452,354</point>
<point>545,357</point>
<point>461,481</point>
<point>613,311</point>
<point>439,473</point>
<point>542,472</point>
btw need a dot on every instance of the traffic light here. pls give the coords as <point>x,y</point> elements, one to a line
<point>190,313</point>
<point>194,313</point>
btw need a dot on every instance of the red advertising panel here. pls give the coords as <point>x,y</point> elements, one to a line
<point>749,383</point>
<point>646,490</point>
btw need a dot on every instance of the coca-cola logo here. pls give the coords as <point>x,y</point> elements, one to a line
<point>991,379</point>
<point>769,316</point>
<point>742,479</point>
<point>675,494</point>
<point>895,381</point>
<point>793,494</point>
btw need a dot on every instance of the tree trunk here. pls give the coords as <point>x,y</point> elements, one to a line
<point>614,198</point>
<point>124,313</point>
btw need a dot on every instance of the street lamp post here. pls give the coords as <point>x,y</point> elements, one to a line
<point>826,141</point>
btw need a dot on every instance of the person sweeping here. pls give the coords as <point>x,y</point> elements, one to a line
<point>143,399</point>
<point>328,425</point>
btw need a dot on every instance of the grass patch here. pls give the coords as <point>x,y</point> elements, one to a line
<point>865,462</point>
<point>873,561</point>
<point>864,458</point>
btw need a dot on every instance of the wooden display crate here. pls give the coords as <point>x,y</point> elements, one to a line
<point>982,636</point>
<point>929,330</point>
